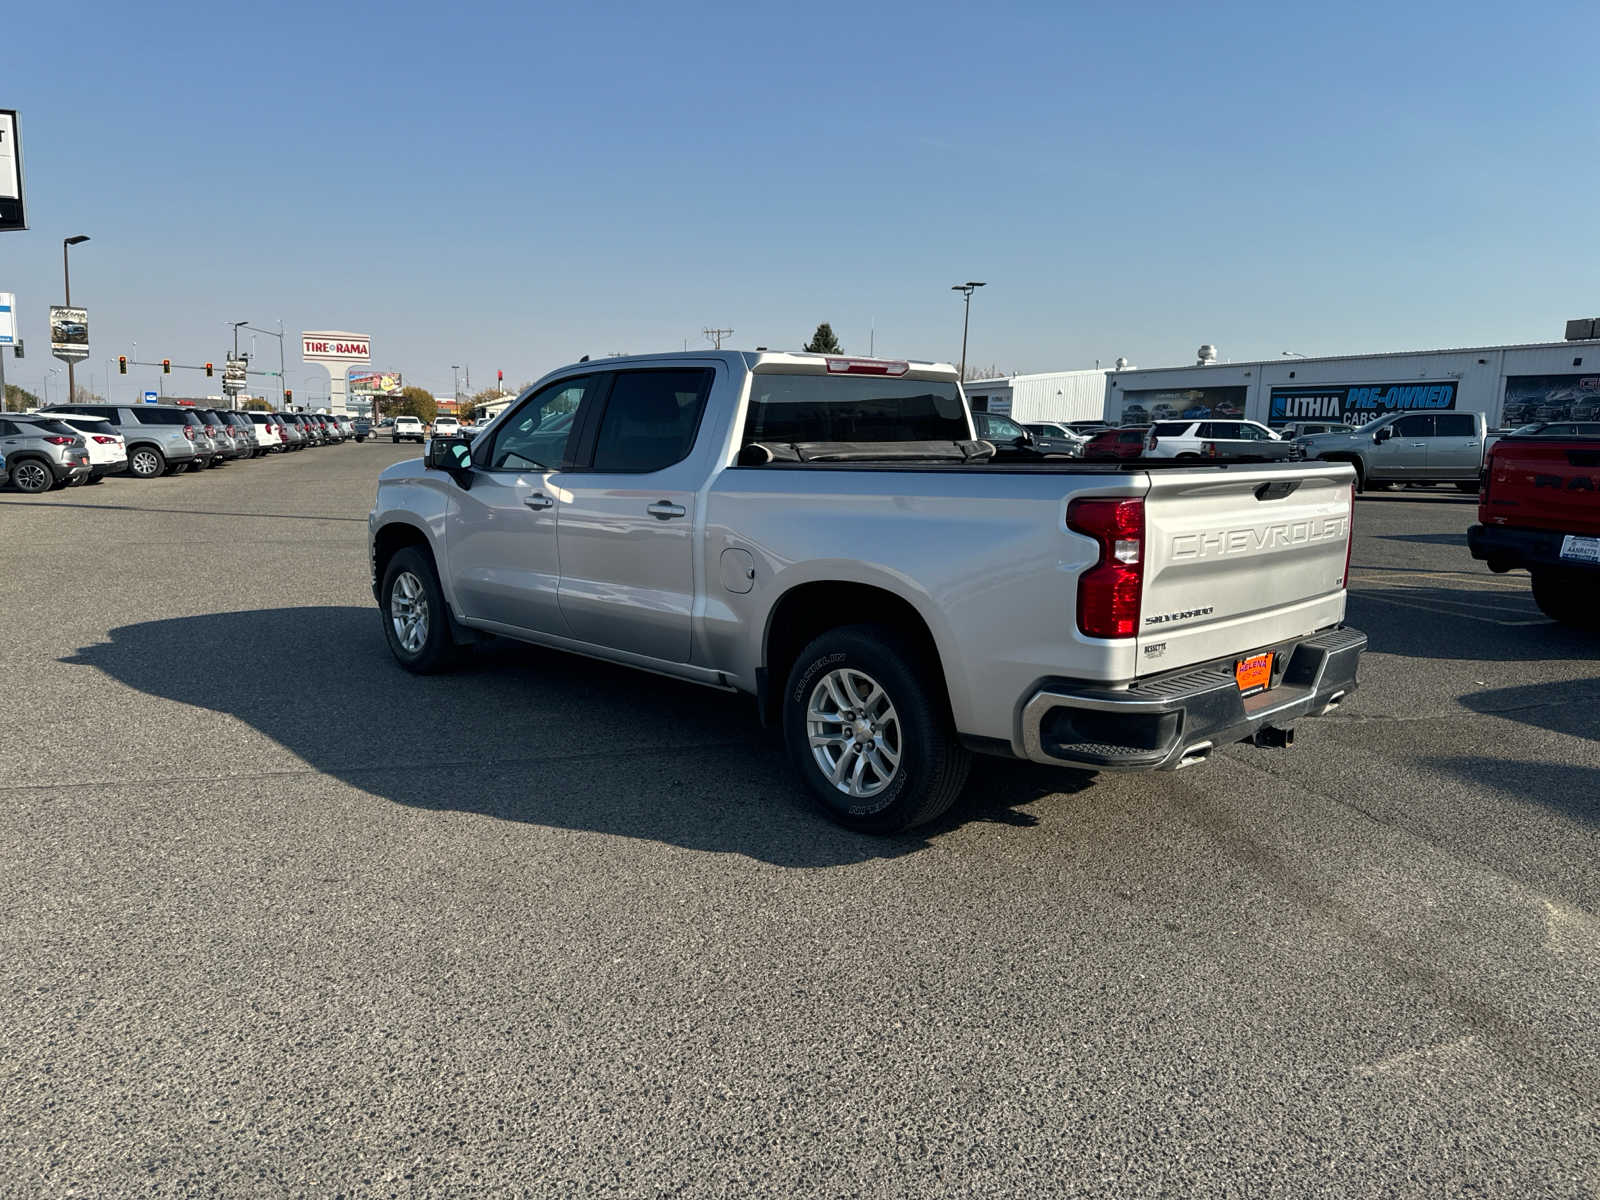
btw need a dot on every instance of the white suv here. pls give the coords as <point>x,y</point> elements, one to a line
<point>1187,439</point>
<point>408,429</point>
<point>446,427</point>
<point>108,449</point>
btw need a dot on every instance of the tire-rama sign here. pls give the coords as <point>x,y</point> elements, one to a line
<point>336,347</point>
<point>1357,403</point>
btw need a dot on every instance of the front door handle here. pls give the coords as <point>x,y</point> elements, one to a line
<point>665,510</point>
<point>539,500</point>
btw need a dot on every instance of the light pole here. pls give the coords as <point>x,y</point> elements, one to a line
<point>279,336</point>
<point>47,374</point>
<point>966,289</point>
<point>455,384</point>
<point>66,278</point>
<point>237,325</point>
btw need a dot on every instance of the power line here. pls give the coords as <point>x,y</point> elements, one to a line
<point>715,336</point>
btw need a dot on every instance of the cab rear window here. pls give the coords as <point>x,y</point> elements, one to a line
<point>823,408</point>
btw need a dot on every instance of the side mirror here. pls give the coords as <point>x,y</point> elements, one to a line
<point>1384,434</point>
<point>450,454</point>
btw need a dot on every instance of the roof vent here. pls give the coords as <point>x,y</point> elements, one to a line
<point>1122,364</point>
<point>1583,329</point>
<point>1208,355</point>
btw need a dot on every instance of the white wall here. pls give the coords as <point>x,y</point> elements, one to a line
<point>1054,396</point>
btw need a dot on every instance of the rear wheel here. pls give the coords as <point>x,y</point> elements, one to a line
<point>414,618</point>
<point>866,726</point>
<point>146,462</point>
<point>32,475</point>
<point>1567,597</point>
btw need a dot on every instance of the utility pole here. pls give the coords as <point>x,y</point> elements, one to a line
<point>715,336</point>
<point>966,289</point>
<point>455,382</point>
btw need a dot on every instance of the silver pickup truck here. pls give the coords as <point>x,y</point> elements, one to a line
<point>825,534</point>
<point>1417,447</point>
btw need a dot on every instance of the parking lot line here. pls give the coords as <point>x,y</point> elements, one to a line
<point>1443,606</point>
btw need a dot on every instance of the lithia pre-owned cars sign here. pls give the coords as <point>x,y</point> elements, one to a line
<point>11,213</point>
<point>336,346</point>
<point>1357,403</point>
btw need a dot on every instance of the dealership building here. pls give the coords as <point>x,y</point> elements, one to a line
<point>1510,385</point>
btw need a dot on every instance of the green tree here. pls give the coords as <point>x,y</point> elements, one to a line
<point>413,402</point>
<point>470,406</point>
<point>19,399</point>
<point>823,341</point>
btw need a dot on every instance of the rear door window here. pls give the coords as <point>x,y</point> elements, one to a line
<point>1172,429</point>
<point>650,419</point>
<point>1455,425</point>
<point>852,408</point>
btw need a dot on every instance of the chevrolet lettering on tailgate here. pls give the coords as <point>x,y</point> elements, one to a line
<point>1256,538</point>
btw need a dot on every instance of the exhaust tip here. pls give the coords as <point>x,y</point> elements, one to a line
<point>1196,753</point>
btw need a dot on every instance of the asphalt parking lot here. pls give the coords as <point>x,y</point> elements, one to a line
<point>280,919</point>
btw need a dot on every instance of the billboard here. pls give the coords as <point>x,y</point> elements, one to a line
<point>8,319</point>
<point>11,201</point>
<point>1141,406</point>
<point>1357,403</point>
<point>69,333</point>
<point>334,346</point>
<point>1551,398</point>
<point>375,383</point>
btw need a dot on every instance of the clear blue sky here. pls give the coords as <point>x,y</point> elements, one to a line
<point>512,186</point>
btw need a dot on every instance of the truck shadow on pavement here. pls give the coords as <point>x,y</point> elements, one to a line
<point>1466,622</point>
<point>524,734</point>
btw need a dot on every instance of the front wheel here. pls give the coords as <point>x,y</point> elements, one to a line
<point>1562,596</point>
<point>414,618</point>
<point>866,725</point>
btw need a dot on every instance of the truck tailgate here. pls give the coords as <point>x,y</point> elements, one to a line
<point>1544,484</point>
<point>1241,559</point>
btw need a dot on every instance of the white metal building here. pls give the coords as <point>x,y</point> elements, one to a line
<point>1056,396</point>
<point>1509,384</point>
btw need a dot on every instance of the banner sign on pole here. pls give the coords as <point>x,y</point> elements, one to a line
<point>69,333</point>
<point>12,215</point>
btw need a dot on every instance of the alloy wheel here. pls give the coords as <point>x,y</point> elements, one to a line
<point>854,733</point>
<point>408,612</point>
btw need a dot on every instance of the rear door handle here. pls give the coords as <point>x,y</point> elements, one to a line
<point>539,500</point>
<point>665,510</point>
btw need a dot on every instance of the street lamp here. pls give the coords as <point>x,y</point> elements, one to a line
<point>1293,354</point>
<point>279,336</point>
<point>47,374</point>
<point>455,384</point>
<point>966,289</point>
<point>237,325</point>
<point>66,276</point>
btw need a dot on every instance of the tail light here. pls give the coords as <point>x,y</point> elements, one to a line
<point>1151,444</point>
<point>57,439</point>
<point>188,432</point>
<point>105,441</point>
<point>1109,592</point>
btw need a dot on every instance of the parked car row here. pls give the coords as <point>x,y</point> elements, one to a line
<point>63,445</point>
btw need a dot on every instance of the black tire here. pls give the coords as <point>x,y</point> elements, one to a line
<point>146,462</point>
<point>932,765</point>
<point>1470,489</point>
<point>178,468</point>
<point>1564,596</point>
<point>397,440</point>
<point>436,651</point>
<point>32,476</point>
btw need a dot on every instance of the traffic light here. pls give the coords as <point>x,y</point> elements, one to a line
<point>288,397</point>
<point>122,364</point>
<point>166,366</point>
<point>16,351</point>
<point>208,370</point>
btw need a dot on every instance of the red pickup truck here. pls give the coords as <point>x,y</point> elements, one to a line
<point>1539,508</point>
